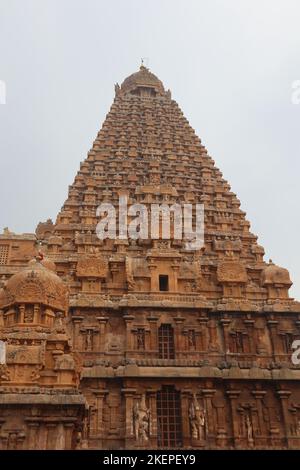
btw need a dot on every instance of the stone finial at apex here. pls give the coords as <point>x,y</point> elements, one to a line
<point>146,59</point>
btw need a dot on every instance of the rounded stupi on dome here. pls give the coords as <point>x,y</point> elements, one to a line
<point>277,281</point>
<point>143,83</point>
<point>274,274</point>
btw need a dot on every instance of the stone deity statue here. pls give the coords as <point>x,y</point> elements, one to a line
<point>141,420</point>
<point>197,420</point>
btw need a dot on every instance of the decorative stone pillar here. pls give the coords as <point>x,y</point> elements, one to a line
<point>186,397</point>
<point>22,313</point>
<point>129,394</point>
<point>101,341</point>
<point>36,311</point>
<point>114,406</point>
<point>52,436</point>
<point>259,395</point>
<point>129,336</point>
<point>213,337</point>
<point>284,399</point>
<point>32,434</point>
<point>153,334</point>
<point>77,320</point>
<point>147,339</point>
<point>204,321</point>
<point>272,324</point>
<point>96,425</point>
<point>249,325</point>
<point>233,395</point>
<point>173,283</point>
<point>177,335</point>
<point>272,406</point>
<point>68,429</point>
<point>42,437</point>
<point>207,394</point>
<point>151,395</point>
<point>220,428</point>
<point>260,328</point>
<point>225,322</point>
<point>154,287</point>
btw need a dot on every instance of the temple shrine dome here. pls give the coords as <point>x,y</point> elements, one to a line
<point>274,274</point>
<point>142,79</point>
<point>36,283</point>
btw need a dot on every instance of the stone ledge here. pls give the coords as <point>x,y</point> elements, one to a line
<point>133,370</point>
<point>193,301</point>
<point>40,399</point>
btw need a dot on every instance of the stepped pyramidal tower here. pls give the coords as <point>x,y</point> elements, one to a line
<point>141,343</point>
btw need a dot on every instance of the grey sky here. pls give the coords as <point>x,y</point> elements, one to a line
<point>230,66</point>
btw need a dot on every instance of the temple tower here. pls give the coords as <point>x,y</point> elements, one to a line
<point>156,345</point>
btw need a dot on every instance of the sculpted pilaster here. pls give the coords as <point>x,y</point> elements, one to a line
<point>153,319</point>
<point>77,340</point>
<point>186,395</point>
<point>129,335</point>
<point>225,322</point>
<point>259,395</point>
<point>97,424</point>
<point>204,333</point>
<point>284,396</point>
<point>233,396</point>
<point>220,427</point>
<point>272,325</point>
<point>151,395</point>
<point>213,344</point>
<point>102,325</point>
<point>129,395</point>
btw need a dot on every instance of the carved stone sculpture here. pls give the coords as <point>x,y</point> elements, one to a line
<point>197,419</point>
<point>141,420</point>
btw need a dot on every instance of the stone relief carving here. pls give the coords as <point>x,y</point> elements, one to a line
<point>59,322</point>
<point>28,315</point>
<point>197,417</point>
<point>191,335</point>
<point>92,267</point>
<point>24,354</point>
<point>141,338</point>
<point>249,429</point>
<point>4,372</point>
<point>35,374</point>
<point>129,274</point>
<point>141,420</point>
<point>232,271</point>
<point>89,340</point>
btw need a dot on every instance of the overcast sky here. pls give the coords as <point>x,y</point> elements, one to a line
<point>229,63</point>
